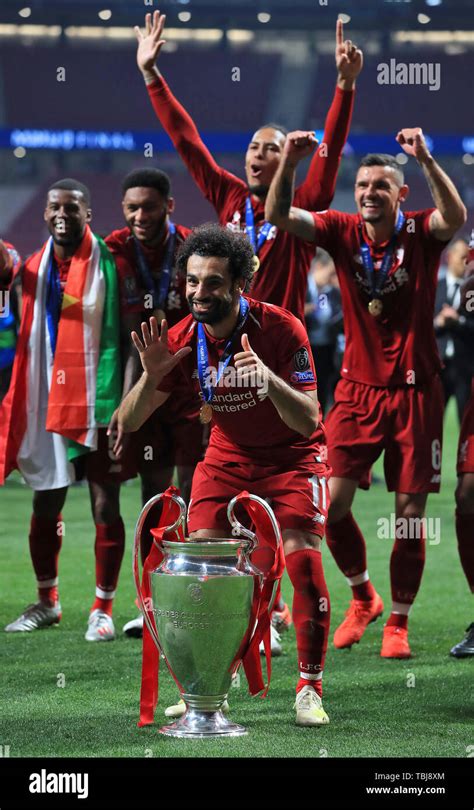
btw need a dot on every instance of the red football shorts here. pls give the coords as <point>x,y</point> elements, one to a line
<point>168,443</point>
<point>103,466</point>
<point>299,498</point>
<point>466,440</point>
<point>406,423</point>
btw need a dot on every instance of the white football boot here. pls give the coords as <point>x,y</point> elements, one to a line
<point>100,627</point>
<point>34,617</point>
<point>275,645</point>
<point>134,628</point>
<point>309,708</point>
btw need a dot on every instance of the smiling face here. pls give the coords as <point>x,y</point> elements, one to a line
<point>66,215</point>
<point>262,159</point>
<point>146,213</point>
<point>378,193</point>
<point>211,292</point>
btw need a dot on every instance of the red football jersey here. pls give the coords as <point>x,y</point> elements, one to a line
<point>399,346</point>
<point>122,245</point>
<point>284,259</point>
<point>246,426</point>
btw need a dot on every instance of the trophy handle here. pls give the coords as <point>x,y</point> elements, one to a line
<point>238,529</point>
<point>136,550</point>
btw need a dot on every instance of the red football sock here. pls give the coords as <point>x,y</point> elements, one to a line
<point>347,545</point>
<point>317,685</point>
<point>465,535</point>
<point>311,613</point>
<point>406,569</point>
<point>45,544</point>
<point>109,548</point>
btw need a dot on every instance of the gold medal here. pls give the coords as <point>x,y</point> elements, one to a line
<point>256,263</point>
<point>205,414</point>
<point>375,307</point>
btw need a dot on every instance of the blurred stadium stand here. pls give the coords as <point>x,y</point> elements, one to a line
<point>286,74</point>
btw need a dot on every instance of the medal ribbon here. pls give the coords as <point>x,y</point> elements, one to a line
<point>250,228</point>
<point>378,282</point>
<point>157,289</point>
<point>203,356</point>
<point>53,302</point>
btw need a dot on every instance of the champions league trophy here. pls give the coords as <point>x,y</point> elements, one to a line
<point>203,611</point>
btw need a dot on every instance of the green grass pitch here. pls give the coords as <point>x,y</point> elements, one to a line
<point>378,708</point>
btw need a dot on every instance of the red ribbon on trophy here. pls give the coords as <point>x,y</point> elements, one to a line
<point>269,559</point>
<point>150,653</point>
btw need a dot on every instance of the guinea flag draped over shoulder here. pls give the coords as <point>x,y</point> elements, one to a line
<point>84,374</point>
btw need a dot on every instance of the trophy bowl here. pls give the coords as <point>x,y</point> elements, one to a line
<point>202,619</point>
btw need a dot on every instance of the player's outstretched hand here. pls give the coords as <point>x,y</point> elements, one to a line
<point>155,356</point>
<point>299,144</point>
<point>413,143</point>
<point>349,58</point>
<point>150,42</point>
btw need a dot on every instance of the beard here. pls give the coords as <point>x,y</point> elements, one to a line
<point>70,239</point>
<point>156,234</point>
<point>219,309</point>
<point>259,190</point>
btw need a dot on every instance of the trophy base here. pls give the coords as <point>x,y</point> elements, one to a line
<point>199,724</point>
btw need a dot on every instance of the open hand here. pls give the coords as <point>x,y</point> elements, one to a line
<point>155,356</point>
<point>150,42</point>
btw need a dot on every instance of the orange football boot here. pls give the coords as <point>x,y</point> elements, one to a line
<point>281,619</point>
<point>358,616</point>
<point>395,643</point>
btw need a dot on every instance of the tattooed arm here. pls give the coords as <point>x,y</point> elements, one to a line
<point>278,208</point>
<point>450,214</point>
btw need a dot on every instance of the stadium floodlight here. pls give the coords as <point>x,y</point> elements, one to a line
<point>25,12</point>
<point>105,14</point>
<point>264,16</point>
<point>433,2</point>
<point>184,16</point>
<point>344,18</point>
<point>423,19</point>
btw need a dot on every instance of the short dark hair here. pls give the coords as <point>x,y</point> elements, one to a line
<point>148,178</point>
<point>379,159</point>
<point>70,184</point>
<point>213,240</point>
<point>273,125</point>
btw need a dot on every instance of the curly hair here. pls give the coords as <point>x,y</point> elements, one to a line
<point>213,240</point>
<point>148,178</point>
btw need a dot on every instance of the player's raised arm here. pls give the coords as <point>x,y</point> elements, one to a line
<point>450,214</point>
<point>299,410</point>
<point>278,208</point>
<point>157,361</point>
<point>318,189</point>
<point>176,122</point>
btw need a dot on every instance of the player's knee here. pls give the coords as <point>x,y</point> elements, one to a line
<point>411,511</point>
<point>47,505</point>
<point>465,497</point>
<point>105,510</point>
<point>338,509</point>
<point>300,541</point>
